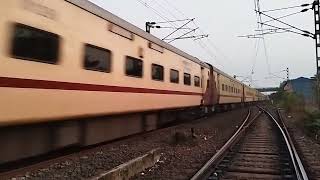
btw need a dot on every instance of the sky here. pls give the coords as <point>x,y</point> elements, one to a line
<point>224,21</point>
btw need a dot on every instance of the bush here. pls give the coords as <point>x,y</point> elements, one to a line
<point>312,124</point>
<point>290,101</point>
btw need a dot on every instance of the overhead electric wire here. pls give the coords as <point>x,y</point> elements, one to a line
<point>169,4</point>
<point>167,27</point>
<point>264,41</point>
<point>177,29</point>
<point>274,29</point>
<point>291,7</point>
<point>168,12</point>
<point>306,35</point>
<point>256,48</point>
<point>200,42</point>
<point>156,12</point>
<point>281,17</point>
<point>193,30</point>
<point>185,37</point>
<point>210,42</point>
<point>265,33</point>
<point>176,9</point>
<point>172,21</point>
<point>284,23</point>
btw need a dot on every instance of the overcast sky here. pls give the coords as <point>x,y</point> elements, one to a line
<point>224,21</point>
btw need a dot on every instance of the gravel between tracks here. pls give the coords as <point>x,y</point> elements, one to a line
<point>308,148</point>
<point>181,153</point>
<point>182,161</point>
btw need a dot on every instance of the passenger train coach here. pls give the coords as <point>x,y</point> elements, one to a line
<point>72,73</point>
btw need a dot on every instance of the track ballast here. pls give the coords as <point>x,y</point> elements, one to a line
<point>261,150</point>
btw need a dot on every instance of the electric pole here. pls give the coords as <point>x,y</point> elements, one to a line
<point>287,74</point>
<point>316,9</point>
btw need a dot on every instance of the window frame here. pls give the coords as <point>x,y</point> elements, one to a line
<point>158,65</point>
<point>99,48</point>
<point>194,81</point>
<point>58,50</point>
<point>174,70</point>
<point>184,82</point>
<point>125,67</point>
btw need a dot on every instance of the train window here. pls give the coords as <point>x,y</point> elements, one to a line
<point>157,72</point>
<point>134,67</point>
<point>187,79</point>
<point>174,76</point>
<point>97,59</point>
<point>197,81</point>
<point>33,44</point>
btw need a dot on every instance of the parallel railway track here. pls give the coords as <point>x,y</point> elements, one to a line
<point>260,149</point>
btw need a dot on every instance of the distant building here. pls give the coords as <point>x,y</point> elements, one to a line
<point>301,86</point>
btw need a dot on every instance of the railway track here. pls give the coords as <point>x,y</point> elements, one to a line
<point>260,149</point>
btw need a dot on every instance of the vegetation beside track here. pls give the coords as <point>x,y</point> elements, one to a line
<point>312,124</point>
<point>309,117</point>
<point>291,102</point>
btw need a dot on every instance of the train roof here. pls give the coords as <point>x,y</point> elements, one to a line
<point>104,14</point>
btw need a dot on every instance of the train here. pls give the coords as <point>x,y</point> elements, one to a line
<point>74,74</point>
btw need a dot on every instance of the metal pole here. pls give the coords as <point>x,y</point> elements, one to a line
<point>147,27</point>
<point>316,9</point>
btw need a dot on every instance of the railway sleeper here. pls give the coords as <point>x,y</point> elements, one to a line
<point>256,156</point>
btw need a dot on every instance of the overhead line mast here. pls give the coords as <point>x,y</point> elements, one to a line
<point>316,9</point>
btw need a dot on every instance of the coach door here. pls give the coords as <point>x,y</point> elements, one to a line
<point>243,94</point>
<point>204,79</point>
<point>207,98</point>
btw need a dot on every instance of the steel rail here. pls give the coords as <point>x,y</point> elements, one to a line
<point>298,166</point>
<point>205,170</point>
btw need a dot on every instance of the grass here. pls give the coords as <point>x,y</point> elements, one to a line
<point>292,102</point>
<point>312,124</point>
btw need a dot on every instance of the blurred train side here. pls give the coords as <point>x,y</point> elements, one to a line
<point>48,106</point>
